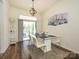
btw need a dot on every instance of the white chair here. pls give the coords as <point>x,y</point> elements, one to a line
<point>38,42</point>
<point>44,45</point>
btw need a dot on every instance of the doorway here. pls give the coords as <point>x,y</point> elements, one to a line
<point>26,27</point>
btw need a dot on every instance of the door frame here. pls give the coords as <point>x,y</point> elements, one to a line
<point>26,20</point>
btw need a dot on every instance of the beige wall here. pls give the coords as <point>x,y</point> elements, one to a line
<point>69,32</point>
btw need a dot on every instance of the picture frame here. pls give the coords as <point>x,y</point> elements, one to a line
<point>58,19</point>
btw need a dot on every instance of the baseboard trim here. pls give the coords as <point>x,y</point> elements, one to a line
<point>3,52</point>
<point>62,48</point>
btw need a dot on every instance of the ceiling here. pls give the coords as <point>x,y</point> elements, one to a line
<point>40,5</point>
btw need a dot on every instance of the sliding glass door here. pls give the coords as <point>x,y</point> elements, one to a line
<point>29,27</point>
<point>25,28</point>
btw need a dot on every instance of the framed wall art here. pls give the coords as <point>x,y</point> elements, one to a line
<point>58,19</point>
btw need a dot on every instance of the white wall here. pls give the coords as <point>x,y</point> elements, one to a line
<point>70,31</point>
<point>1,17</point>
<point>14,14</point>
<point>4,41</point>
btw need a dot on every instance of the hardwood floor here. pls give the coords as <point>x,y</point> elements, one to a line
<point>24,50</point>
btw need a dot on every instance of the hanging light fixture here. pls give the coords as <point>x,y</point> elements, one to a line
<point>32,10</point>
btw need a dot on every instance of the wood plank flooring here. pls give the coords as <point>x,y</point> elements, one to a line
<point>25,50</point>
